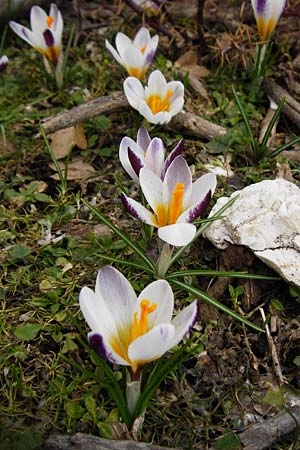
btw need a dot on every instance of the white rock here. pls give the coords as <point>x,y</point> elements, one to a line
<point>266,218</point>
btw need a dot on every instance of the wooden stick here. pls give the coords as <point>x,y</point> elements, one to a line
<point>291,107</point>
<point>187,123</point>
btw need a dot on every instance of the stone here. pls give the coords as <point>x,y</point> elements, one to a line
<point>266,219</point>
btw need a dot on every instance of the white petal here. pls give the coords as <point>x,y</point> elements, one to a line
<point>137,210</point>
<point>38,20</point>
<point>143,139</point>
<point>184,321</point>
<point>114,53</point>
<point>96,313</point>
<point>151,186</point>
<point>134,59</point>
<point>178,234</point>
<point>152,345</point>
<point>22,32</point>
<point>155,156</point>
<point>134,92</point>
<point>118,295</point>
<point>123,43</point>
<point>160,293</point>
<point>142,38</point>
<point>176,106</point>
<point>157,84</point>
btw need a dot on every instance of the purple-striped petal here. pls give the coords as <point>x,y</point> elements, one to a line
<point>184,321</point>
<point>143,138</point>
<point>104,350</point>
<point>137,210</point>
<point>135,161</point>
<point>175,152</point>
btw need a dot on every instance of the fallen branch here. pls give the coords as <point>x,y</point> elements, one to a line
<point>291,107</point>
<point>187,123</point>
<point>80,441</point>
<point>264,434</point>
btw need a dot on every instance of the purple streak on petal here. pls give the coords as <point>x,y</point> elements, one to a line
<point>260,6</point>
<point>199,208</point>
<point>195,318</point>
<point>97,344</point>
<point>49,38</point>
<point>175,152</point>
<point>129,207</point>
<point>149,57</point>
<point>25,33</point>
<point>135,161</point>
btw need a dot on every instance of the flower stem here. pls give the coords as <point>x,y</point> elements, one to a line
<point>164,260</point>
<point>133,391</point>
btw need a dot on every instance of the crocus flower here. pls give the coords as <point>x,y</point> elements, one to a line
<point>45,34</point>
<point>175,201</point>
<point>267,13</point>
<point>146,153</point>
<point>137,55</point>
<point>149,4</point>
<point>130,330</point>
<point>3,62</point>
<point>159,101</point>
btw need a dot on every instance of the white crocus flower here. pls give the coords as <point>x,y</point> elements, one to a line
<point>3,62</point>
<point>146,153</point>
<point>130,330</point>
<point>175,201</point>
<point>159,101</point>
<point>134,55</point>
<point>267,13</point>
<point>45,34</point>
<point>149,4</point>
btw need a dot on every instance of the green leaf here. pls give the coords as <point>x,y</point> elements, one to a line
<point>69,345</point>
<point>73,410</point>
<point>228,442</point>
<point>106,430</point>
<point>19,252</point>
<point>27,331</point>
<point>40,197</point>
<point>213,273</point>
<point>296,361</point>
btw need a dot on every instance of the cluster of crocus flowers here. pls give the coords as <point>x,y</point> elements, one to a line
<point>267,13</point>
<point>45,35</point>
<point>159,101</point>
<point>146,152</point>
<point>134,55</point>
<point>175,201</point>
<point>152,5</point>
<point>3,62</point>
<point>129,330</point>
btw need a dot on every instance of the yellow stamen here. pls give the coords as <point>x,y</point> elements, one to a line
<point>175,207</point>
<point>140,327</point>
<point>157,104</point>
<point>161,216</point>
<point>136,72</point>
<point>49,21</point>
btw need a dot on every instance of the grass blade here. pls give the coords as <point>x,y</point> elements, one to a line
<point>217,273</point>
<point>211,301</point>
<point>122,236</point>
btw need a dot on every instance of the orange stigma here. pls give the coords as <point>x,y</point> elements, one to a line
<point>140,327</point>
<point>157,104</point>
<point>49,21</point>
<point>175,208</point>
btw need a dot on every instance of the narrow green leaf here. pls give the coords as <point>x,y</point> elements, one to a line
<point>246,121</point>
<point>271,124</point>
<point>216,216</point>
<point>218,273</point>
<point>211,301</point>
<point>122,262</point>
<point>285,146</point>
<point>122,235</point>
